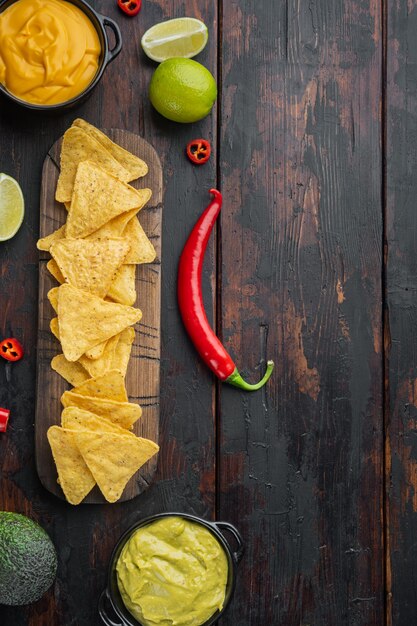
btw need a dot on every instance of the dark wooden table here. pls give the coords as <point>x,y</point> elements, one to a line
<point>314,264</point>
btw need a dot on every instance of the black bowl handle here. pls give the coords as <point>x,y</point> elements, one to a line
<point>225,526</point>
<point>104,598</point>
<point>112,54</point>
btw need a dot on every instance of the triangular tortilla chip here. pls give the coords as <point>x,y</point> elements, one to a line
<point>133,164</point>
<point>53,298</point>
<point>89,265</point>
<point>124,414</point>
<point>123,350</point>
<point>78,146</point>
<point>46,242</point>
<point>110,385</point>
<point>75,478</point>
<point>53,269</point>
<point>75,418</point>
<point>113,459</point>
<point>97,198</point>
<point>141,249</point>
<point>74,373</point>
<point>123,287</point>
<point>86,320</point>
<point>97,367</point>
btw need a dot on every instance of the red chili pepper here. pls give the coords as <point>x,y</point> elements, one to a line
<point>198,151</point>
<point>4,418</point>
<point>130,7</point>
<point>11,349</point>
<point>191,305</point>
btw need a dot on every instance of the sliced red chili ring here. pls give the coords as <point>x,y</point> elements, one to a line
<point>130,7</point>
<point>198,151</point>
<point>4,418</point>
<point>11,349</point>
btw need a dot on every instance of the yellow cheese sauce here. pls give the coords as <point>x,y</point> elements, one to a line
<point>49,50</point>
<point>172,572</point>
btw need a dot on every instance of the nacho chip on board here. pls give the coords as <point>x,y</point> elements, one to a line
<point>75,478</point>
<point>53,269</point>
<point>123,287</point>
<point>133,164</point>
<point>53,298</point>
<point>86,320</point>
<point>97,198</point>
<point>113,459</point>
<point>97,367</point>
<point>75,418</point>
<point>124,414</point>
<point>141,249</point>
<point>78,146</point>
<point>73,372</point>
<point>89,265</point>
<point>110,385</point>
<point>46,242</point>
<point>123,350</point>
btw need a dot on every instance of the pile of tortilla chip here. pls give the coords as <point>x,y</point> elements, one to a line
<point>94,256</point>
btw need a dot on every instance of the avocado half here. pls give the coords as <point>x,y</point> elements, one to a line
<point>28,560</point>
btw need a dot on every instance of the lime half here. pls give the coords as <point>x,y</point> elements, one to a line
<point>183,37</point>
<point>12,207</point>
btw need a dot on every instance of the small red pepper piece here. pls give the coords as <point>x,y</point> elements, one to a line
<point>4,418</point>
<point>11,349</point>
<point>191,305</point>
<point>198,151</point>
<point>130,7</point>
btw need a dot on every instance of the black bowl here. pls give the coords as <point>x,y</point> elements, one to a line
<point>107,56</point>
<point>111,594</point>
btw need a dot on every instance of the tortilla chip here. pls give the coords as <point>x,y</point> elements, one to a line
<point>124,414</point>
<point>75,478</point>
<point>123,350</point>
<point>113,459</point>
<point>54,326</point>
<point>78,146</point>
<point>74,418</point>
<point>97,198</point>
<point>86,320</point>
<point>89,265</point>
<point>135,166</point>
<point>141,249</point>
<point>115,227</point>
<point>123,287</point>
<point>46,242</point>
<point>53,269</point>
<point>53,298</point>
<point>97,367</point>
<point>74,373</point>
<point>96,352</point>
<point>110,385</point>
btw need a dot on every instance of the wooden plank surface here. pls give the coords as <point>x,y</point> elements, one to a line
<point>401,312</point>
<point>301,465</point>
<point>185,477</point>
<point>142,379</point>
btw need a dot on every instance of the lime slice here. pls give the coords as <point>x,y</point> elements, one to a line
<point>12,207</point>
<point>183,37</point>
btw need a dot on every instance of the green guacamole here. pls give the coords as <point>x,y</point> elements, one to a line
<point>172,572</point>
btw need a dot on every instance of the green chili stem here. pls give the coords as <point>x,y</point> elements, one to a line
<point>236,380</point>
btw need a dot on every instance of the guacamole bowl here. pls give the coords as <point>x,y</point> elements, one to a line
<point>73,42</point>
<point>111,606</point>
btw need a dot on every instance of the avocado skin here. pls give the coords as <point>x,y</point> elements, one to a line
<point>28,560</point>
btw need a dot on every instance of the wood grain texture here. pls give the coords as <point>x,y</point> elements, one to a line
<point>185,477</point>
<point>401,322</point>
<point>300,466</point>
<point>142,379</point>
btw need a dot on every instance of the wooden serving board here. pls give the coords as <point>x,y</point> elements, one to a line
<point>142,379</point>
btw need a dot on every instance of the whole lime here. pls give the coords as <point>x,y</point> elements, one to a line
<point>182,90</point>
